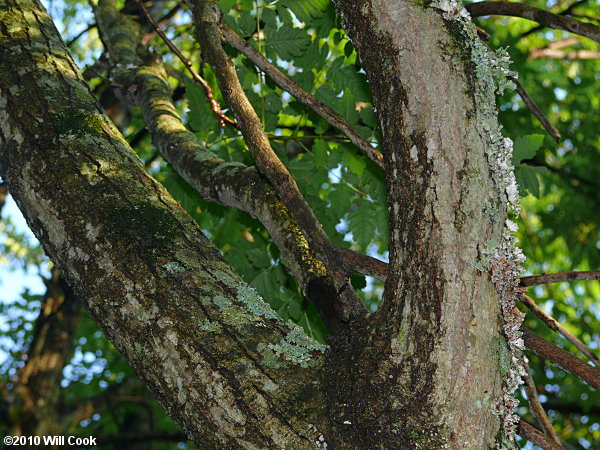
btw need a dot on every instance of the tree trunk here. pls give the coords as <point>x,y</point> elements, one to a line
<point>433,368</point>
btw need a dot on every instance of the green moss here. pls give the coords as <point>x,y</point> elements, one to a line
<point>72,122</point>
<point>155,224</point>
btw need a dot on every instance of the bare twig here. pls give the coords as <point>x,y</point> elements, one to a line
<point>552,323</point>
<point>562,43</point>
<point>529,432</point>
<point>81,33</point>
<point>535,110</point>
<point>288,84</point>
<point>537,410</point>
<point>548,278</point>
<point>537,53</point>
<point>214,105</point>
<point>160,23</point>
<point>541,16</point>
<point>561,358</point>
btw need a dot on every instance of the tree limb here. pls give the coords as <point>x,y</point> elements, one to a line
<point>162,293</point>
<point>529,432</point>
<point>535,110</point>
<point>346,305</point>
<point>568,10</point>
<point>548,278</point>
<point>537,410</point>
<point>553,324</point>
<point>208,91</point>
<point>288,84</point>
<point>541,16</point>
<point>561,358</point>
<point>537,53</point>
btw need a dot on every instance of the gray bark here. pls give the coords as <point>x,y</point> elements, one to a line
<point>426,371</point>
<point>217,358</point>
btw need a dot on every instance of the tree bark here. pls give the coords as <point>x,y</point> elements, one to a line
<point>217,358</point>
<point>432,354</point>
<point>433,368</point>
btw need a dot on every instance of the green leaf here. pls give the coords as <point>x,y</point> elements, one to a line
<point>528,178</point>
<point>246,23</point>
<point>320,150</point>
<point>355,163</point>
<point>287,42</point>
<point>525,147</point>
<point>362,223</point>
<point>202,119</point>
<point>305,10</point>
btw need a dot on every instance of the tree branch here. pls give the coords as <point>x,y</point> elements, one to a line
<point>561,358</point>
<point>529,432</point>
<point>159,289</point>
<point>564,12</point>
<point>543,17</point>
<point>535,110</point>
<point>537,53</point>
<point>548,278</point>
<point>553,324</point>
<point>346,305</point>
<point>208,91</point>
<point>288,84</point>
<point>3,195</point>
<point>537,410</point>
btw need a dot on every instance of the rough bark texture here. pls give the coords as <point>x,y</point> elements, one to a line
<point>433,347</point>
<point>425,371</point>
<point>214,354</point>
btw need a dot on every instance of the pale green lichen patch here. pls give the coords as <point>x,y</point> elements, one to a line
<point>173,267</point>
<point>255,303</point>
<point>221,302</point>
<point>296,348</point>
<point>207,325</point>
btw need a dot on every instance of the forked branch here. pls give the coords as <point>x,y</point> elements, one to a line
<point>537,410</point>
<point>289,85</point>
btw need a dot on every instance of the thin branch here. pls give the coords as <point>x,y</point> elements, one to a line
<point>561,358</point>
<point>81,33</point>
<point>3,194</point>
<point>535,110</point>
<point>344,305</point>
<point>564,12</point>
<point>161,22</point>
<point>562,43</point>
<point>541,16</point>
<point>288,84</point>
<point>537,53</point>
<point>537,410</point>
<point>529,432</point>
<point>214,105</point>
<point>553,324</point>
<point>549,278</point>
